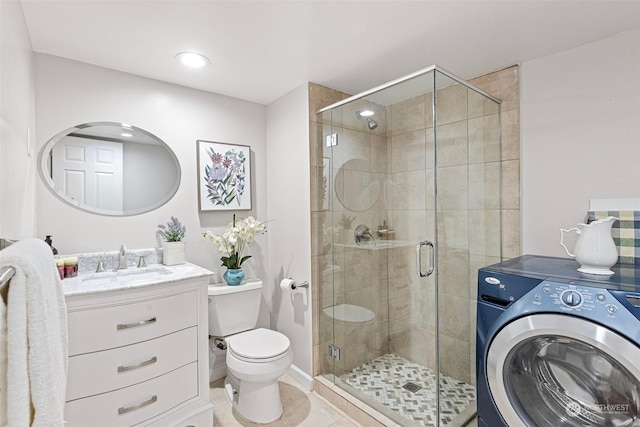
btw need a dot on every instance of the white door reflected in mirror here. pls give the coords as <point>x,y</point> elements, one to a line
<point>81,164</point>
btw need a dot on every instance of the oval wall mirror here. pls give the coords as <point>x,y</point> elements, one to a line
<point>110,168</point>
<point>357,188</point>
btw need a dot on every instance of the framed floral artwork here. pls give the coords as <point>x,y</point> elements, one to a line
<point>224,176</point>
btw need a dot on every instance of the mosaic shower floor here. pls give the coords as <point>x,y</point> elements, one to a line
<point>382,379</point>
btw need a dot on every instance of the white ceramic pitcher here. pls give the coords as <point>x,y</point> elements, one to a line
<point>595,249</point>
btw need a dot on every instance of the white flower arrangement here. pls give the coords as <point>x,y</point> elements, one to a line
<point>233,241</point>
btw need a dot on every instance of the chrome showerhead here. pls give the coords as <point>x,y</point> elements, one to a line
<point>372,124</point>
<point>366,114</point>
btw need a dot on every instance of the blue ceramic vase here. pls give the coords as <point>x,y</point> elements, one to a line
<point>233,276</point>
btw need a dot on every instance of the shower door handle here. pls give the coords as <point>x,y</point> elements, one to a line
<point>419,258</point>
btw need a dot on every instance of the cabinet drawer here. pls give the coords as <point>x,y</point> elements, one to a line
<point>135,404</point>
<point>103,371</point>
<point>115,326</point>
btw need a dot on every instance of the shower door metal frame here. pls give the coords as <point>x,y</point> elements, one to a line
<point>403,79</point>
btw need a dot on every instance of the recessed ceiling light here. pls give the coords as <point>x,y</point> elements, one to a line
<point>192,60</point>
<point>365,113</point>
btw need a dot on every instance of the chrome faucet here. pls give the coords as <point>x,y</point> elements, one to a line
<point>122,259</point>
<point>363,234</point>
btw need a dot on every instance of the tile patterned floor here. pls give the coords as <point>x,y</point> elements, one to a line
<point>301,408</point>
<point>383,378</point>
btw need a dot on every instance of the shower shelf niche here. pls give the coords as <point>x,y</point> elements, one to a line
<point>380,244</point>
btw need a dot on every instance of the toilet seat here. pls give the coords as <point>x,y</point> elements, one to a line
<point>258,345</point>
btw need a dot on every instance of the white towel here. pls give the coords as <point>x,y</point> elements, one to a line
<point>36,337</point>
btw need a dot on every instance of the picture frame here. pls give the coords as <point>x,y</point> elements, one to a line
<point>224,176</point>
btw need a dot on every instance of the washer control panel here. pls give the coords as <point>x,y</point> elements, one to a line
<point>571,298</point>
<point>568,297</point>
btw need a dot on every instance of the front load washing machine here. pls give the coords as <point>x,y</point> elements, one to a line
<point>556,347</point>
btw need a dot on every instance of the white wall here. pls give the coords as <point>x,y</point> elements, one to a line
<point>17,147</point>
<point>580,118</point>
<point>69,93</point>
<point>152,163</point>
<point>289,209</point>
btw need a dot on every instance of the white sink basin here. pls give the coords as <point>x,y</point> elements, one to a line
<point>128,276</point>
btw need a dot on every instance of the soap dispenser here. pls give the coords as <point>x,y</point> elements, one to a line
<point>382,230</point>
<point>50,242</point>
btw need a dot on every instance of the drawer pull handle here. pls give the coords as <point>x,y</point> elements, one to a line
<point>151,361</point>
<point>122,326</point>
<point>149,401</point>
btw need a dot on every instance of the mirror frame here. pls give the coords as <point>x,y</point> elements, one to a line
<point>45,173</point>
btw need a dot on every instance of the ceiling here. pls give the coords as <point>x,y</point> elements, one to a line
<point>260,50</point>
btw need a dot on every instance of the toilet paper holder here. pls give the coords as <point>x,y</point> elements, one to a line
<point>295,285</point>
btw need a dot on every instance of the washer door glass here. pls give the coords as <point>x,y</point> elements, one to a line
<point>564,371</point>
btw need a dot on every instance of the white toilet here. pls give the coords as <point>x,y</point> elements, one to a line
<point>255,358</point>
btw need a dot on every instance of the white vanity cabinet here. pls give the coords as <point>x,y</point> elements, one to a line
<point>138,355</point>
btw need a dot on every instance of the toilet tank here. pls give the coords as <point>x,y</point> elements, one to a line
<point>234,309</point>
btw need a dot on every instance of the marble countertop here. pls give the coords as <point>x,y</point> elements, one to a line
<point>132,277</point>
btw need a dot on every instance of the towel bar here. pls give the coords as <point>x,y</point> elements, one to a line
<point>6,273</point>
<point>5,243</point>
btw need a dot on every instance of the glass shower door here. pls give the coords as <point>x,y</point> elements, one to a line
<point>412,280</point>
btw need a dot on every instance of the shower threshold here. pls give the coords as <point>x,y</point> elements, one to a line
<point>382,383</point>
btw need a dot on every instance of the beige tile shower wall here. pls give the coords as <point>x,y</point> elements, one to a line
<point>504,85</point>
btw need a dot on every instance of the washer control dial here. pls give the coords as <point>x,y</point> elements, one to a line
<point>571,298</point>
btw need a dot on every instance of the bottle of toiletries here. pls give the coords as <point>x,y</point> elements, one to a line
<point>60,266</point>
<point>50,242</point>
<point>71,266</point>
<point>382,230</point>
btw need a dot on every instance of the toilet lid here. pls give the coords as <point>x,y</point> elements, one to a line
<point>259,344</point>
